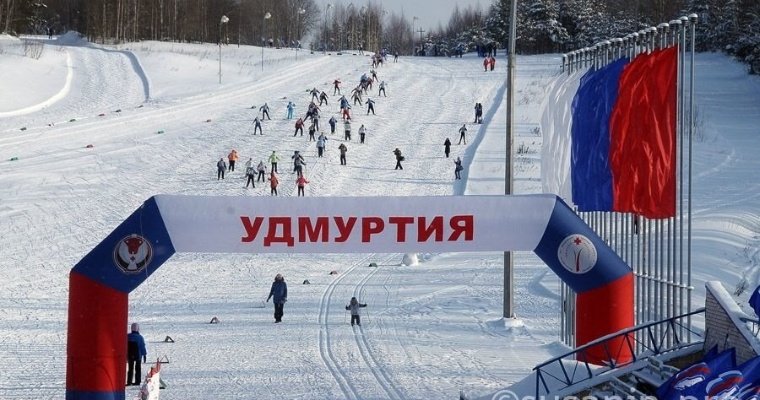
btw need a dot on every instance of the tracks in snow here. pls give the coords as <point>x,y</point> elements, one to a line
<point>333,363</point>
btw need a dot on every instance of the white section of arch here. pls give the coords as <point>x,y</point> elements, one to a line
<point>212,224</point>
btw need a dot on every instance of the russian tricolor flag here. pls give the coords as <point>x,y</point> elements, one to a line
<point>622,136</point>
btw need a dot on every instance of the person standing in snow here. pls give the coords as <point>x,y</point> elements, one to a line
<point>135,351</point>
<point>301,184</point>
<point>221,166</point>
<point>492,62</point>
<point>312,131</point>
<point>370,106</point>
<point>273,158</point>
<point>280,293</point>
<point>478,113</point>
<point>399,158</point>
<point>273,182</point>
<point>362,132</point>
<point>343,149</point>
<point>299,127</point>
<point>291,108</point>
<point>485,64</point>
<point>257,125</point>
<point>462,132</point>
<point>354,306</point>
<point>332,123</point>
<point>321,142</point>
<point>458,168</point>
<point>336,87</point>
<point>347,130</point>
<point>232,157</point>
<point>250,173</point>
<point>323,98</point>
<point>314,94</point>
<point>264,111</point>
<point>381,89</point>
<point>298,163</point>
<point>262,170</point>
<point>447,147</point>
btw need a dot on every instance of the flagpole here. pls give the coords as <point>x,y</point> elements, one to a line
<point>693,20</point>
<point>684,25</point>
<point>509,311</point>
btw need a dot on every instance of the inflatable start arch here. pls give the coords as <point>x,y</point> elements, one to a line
<point>100,283</point>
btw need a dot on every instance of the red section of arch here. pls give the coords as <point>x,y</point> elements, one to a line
<point>97,341</point>
<point>600,312</point>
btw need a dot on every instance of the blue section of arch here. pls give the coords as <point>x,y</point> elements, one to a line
<point>145,221</point>
<point>85,395</point>
<point>563,223</point>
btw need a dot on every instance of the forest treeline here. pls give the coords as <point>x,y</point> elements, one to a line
<point>543,26</point>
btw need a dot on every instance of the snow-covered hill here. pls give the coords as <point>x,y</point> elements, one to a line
<point>429,330</point>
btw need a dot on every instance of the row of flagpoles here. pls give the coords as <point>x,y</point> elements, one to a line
<point>655,243</point>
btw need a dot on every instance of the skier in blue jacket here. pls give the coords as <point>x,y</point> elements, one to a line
<point>280,293</point>
<point>135,351</point>
<point>291,107</point>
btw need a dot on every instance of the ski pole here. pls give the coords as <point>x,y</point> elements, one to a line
<point>251,126</point>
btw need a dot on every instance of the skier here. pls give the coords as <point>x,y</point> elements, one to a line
<point>332,123</point>
<point>458,168</point>
<point>370,106</point>
<point>399,158</point>
<point>478,113</point>
<point>362,132</point>
<point>291,108</point>
<point>299,127</point>
<point>343,149</point>
<point>381,89</point>
<point>336,86</point>
<point>354,306</point>
<point>314,94</point>
<point>315,120</point>
<point>492,62</point>
<point>346,113</point>
<point>221,166</point>
<point>356,96</point>
<point>395,56</point>
<point>298,163</point>
<point>232,157</point>
<point>262,170</point>
<point>264,111</point>
<point>485,64</point>
<point>462,132</point>
<point>273,182</point>
<point>280,293</point>
<point>301,183</point>
<point>323,98</point>
<point>273,158</point>
<point>347,130</point>
<point>135,351</point>
<point>250,173</point>
<point>321,142</point>
<point>257,125</point>
<point>447,147</point>
<point>311,133</point>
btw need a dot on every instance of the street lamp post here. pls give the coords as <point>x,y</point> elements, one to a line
<point>222,21</point>
<point>300,12</point>
<point>264,37</point>
<point>413,19</point>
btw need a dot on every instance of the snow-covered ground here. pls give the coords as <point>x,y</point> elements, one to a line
<point>429,330</point>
